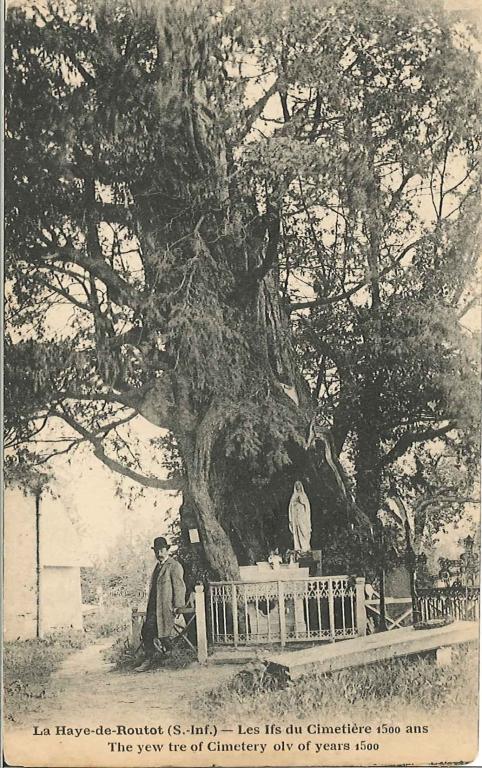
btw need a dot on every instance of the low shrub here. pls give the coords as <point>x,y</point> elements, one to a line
<point>108,620</point>
<point>124,657</point>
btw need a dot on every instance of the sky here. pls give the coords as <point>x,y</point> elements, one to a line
<point>97,502</point>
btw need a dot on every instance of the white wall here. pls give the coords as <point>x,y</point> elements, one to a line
<point>20,578</point>
<point>60,596</point>
<point>62,604</point>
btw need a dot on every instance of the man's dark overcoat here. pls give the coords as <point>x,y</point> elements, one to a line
<point>171,594</point>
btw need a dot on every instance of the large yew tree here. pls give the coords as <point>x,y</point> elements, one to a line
<point>261,218</point>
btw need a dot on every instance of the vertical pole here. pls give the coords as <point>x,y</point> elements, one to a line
<point>343,598</point>
<point>220,594</point>
<point>257,612</point>
<point>246,615</point>
<point>318,609</point>
<point>416,614</point>
<point>331,610</point>
<point>225,597</point>
<point>212,612</point>
<point>40,622</point>
<point>202,641</point>
<point>282,615</point>
<point>307,610</point>
<point>268,612</point>
<point>412,569</point>
<point>134,624</point>
<point>361,616</point>
<point>234,610</point>
<point>382,622</point>
<point>37,557</point>
<point>382,627</point>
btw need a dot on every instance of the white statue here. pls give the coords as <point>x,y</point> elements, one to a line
<point>299,515</point>
<point>275,558</point>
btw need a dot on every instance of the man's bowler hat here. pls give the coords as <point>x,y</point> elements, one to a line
<point>160,543</point>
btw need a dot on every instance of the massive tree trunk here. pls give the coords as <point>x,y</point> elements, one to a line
<point>240,500</point>
<point>241,527</point>
<point>198,461</point>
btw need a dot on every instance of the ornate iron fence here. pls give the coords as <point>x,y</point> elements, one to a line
<point>459,602</point>
<point>308,609</point>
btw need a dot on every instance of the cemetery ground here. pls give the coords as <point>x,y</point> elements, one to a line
<point>87,677</point>
<point>413,683</point>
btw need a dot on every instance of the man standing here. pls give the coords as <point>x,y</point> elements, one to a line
<point>167,595</point>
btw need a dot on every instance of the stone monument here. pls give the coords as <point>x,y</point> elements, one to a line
<point>261,593</point>
<point>299,516</point>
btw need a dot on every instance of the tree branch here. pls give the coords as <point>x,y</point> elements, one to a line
<point>409,438</point>
<point>96,397</point>
<point>65,294</point>
<point>121,291</point>
<point>113,464</point>
<point>345,295</point>
<point>89,79</point>
<point>475,300</point>
<point>395,199</point>
<point>52,455</point>
<point>256,109</point>
<point>148,481</point>
<point>152,401</point>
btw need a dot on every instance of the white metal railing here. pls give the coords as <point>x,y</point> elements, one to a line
<point>305,609</point>
<point>459,602</point>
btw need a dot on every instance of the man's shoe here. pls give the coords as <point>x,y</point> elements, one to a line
<point>146,664</point>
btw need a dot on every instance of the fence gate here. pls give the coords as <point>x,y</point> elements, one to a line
<point>308,609</point>
<point>401,608</point>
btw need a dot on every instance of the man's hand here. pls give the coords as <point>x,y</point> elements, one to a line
<point>177,611</point>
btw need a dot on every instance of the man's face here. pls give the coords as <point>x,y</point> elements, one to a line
<point>162,554</point>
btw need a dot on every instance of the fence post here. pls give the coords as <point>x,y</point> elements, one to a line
<point>282,615</point>
<point>234,610</point>
<point>202,641</point>
<point>331,609</point>
<point>361,614</point>
<point>135,639</point>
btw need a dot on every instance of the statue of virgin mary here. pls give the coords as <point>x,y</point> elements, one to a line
<point>299,516</point>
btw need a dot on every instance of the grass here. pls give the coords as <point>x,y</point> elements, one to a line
<point>28,666</point>
<point>391,686</point>
<point>124,657</point>
<point>107,620</point>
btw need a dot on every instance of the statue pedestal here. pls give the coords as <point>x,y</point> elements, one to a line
<point>261,594</point>
<point>312,561</point>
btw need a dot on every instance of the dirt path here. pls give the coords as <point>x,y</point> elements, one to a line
<point>89,691</point>
<point>86,693</point>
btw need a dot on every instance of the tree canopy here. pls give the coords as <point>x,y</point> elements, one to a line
<point>256,228</point>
